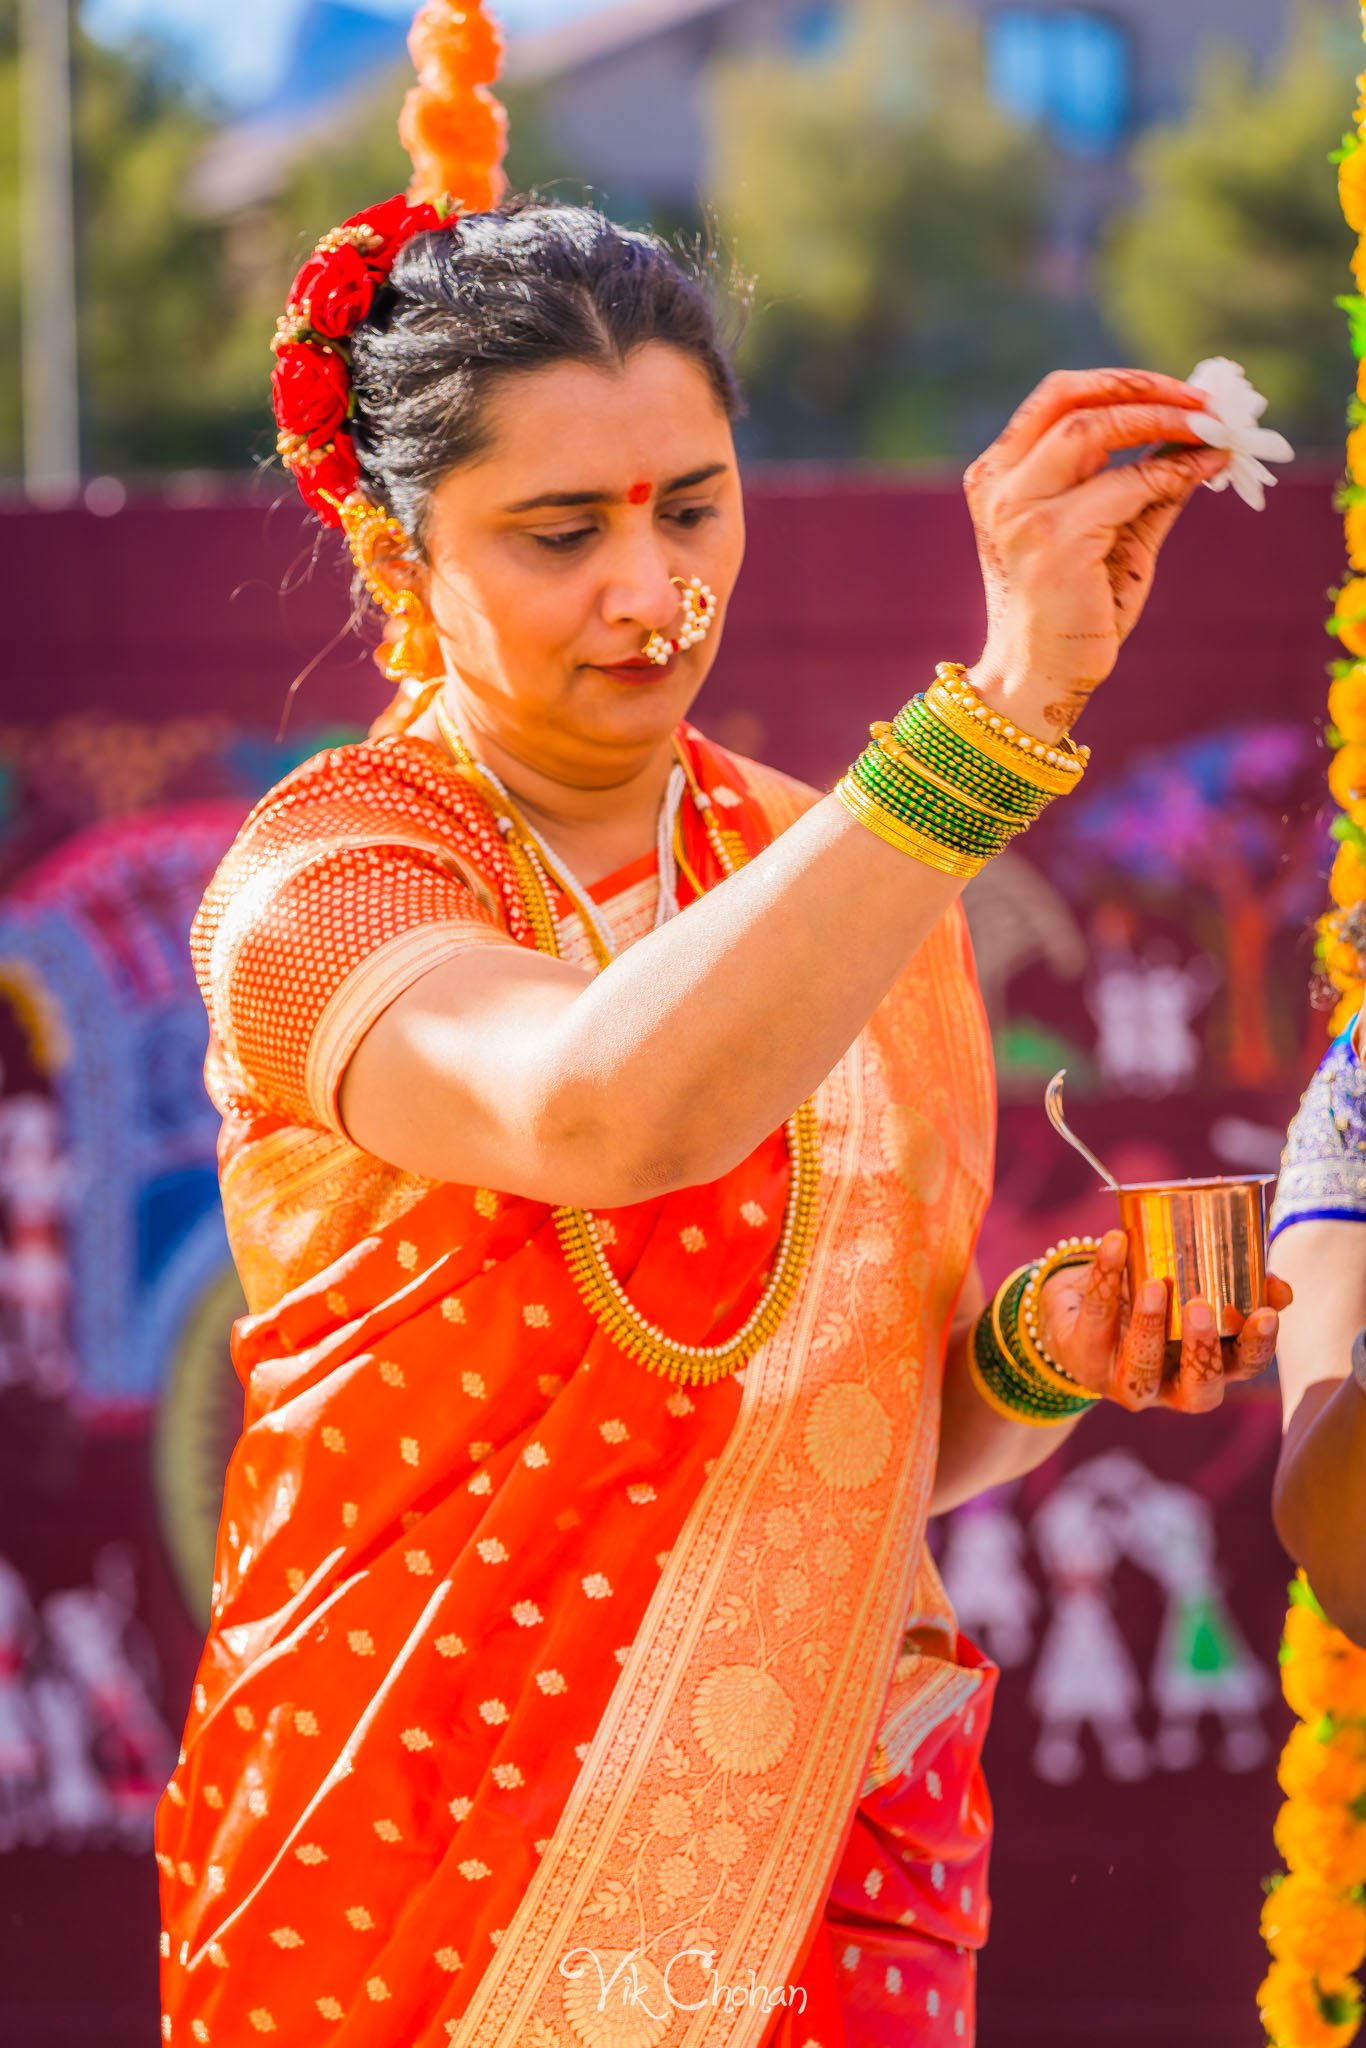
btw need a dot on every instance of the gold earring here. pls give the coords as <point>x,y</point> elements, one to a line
<point>414,654</point>
<point>699,613</point>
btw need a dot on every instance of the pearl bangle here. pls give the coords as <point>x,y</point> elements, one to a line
<point>1069,1251</point>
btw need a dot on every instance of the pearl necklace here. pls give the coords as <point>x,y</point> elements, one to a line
<point>578,1229</point>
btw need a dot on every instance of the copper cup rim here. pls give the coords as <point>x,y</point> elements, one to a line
<point>1196,1187</point>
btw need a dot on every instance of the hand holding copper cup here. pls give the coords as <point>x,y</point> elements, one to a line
<point>1178,1303</point>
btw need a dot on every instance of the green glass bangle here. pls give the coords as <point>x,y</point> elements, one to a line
<point>1004,1315</point>
<point>915,788</point>
<point>919,730</point>
<point>1009,1390</point>
<point>917,725</point>
<point>934,819</point>
<point>921,846</point>
<point>921,802</point>
<point>915,772</point>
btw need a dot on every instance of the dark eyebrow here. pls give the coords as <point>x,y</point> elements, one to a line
<point>678,483</point>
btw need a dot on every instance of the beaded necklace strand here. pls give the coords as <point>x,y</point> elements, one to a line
<point>693,1364</point>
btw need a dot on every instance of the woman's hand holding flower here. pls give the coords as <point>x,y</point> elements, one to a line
<point>1067,543</point>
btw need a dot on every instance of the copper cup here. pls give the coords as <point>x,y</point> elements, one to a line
<point>1200,1237</point>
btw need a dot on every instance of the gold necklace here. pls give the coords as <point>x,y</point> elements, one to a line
<point>577,1229</point>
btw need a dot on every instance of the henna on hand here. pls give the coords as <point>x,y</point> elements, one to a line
<point>1138,1378</point>
<point>1069,710</point>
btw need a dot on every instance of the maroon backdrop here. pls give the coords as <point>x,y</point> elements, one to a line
<point>1154,939</point>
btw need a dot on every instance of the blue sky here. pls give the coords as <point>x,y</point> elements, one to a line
<point>240,47</point>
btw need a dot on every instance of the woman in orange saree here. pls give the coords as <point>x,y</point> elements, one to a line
<point>518,1649</point>
<point>577,1671</point>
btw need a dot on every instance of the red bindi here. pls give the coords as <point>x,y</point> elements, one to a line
<point>638,493</point>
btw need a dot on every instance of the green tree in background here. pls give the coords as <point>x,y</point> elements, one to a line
<point>1235,244</point>
<point>163,347</point>
<point>176,307</point>
<point>893,219</point>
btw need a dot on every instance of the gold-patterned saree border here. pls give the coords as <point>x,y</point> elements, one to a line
<point>807,1416</point>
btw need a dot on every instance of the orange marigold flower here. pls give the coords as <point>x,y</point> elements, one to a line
<point>1356,440</point>
<point>1321,1932</point>
<point>1355,527</point>
<point>1342,964</point>
<point>1325,1841</point>
<point>1346,1011</point>
<point>1347,695</point>
<point>1351,600</point>
<point>1352,190</point>
<point>1347,774</point>
<point>1333,1772</point>
<point>1300,2012</point>
<point>1324,1671</point>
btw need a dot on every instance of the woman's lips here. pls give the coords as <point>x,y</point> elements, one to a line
<point>638,672</point>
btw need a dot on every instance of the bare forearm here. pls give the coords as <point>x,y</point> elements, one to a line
<point>1320,1498</point>
<point>709,1030</point>
<point>978,1448</point>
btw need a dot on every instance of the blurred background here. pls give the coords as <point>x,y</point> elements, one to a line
<point>937,201</point>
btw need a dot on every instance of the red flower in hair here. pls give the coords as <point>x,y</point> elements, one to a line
<point>311,389</point>
<point>311,381</point>
<point>395,222</point>
<point>333,469</point>
<point>335,290</point>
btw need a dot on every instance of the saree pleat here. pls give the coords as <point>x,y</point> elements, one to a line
<point>518,1652</point>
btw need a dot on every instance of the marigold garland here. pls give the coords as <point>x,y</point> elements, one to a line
<point>1314,1919</point>
<point>1342,930</point>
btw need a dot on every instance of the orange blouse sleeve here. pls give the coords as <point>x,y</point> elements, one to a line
<point>339,892</point>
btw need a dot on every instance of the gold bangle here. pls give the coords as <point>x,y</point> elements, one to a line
<point>1069,1251</point>
<point>954,676</point>
<point>1035,1408</point>
<point>908,763</point>
<point>903,836</point>
<point>1053,766</point>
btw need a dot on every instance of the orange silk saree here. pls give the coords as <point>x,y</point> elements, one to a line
<point>543,1700</point>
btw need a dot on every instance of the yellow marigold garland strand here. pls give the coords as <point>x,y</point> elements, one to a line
<point>1314,1919</point>
<point>1342,930</point>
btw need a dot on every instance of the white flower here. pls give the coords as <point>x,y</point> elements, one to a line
<point>1231,422</point>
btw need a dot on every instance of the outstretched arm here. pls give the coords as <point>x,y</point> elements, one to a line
<point>503,1067</point>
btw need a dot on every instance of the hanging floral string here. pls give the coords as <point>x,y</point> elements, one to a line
<point>1342,930</point>
<point>1314,1919</point>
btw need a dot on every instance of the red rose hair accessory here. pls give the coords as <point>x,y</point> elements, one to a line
<point>456,132</point>
<point>311,382</point>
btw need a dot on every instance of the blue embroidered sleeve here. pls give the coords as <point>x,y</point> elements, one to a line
<point>1323,1167</point>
